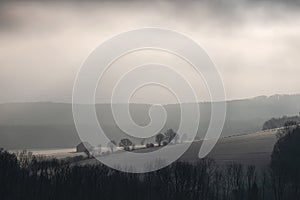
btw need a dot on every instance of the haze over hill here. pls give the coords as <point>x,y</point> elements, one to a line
<point>50,125</point>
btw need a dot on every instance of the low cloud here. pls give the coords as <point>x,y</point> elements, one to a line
<point>42,43</point>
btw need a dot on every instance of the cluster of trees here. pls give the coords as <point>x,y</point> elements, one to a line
<point>280,122</point>
<point>38,178</point>
<point>167,137</point>
<point>161,139</point>
<point>25,176</point>
<point>30,177</point>
<point>127,144</point>
<point>285,163</point>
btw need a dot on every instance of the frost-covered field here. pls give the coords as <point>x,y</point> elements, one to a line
<point>53,153</point>
<point>250,149</point>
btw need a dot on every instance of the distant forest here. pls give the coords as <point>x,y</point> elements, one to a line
<point>24,176</point>
<point>280,122</point>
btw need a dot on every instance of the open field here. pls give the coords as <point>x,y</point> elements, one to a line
<point>250,149</point>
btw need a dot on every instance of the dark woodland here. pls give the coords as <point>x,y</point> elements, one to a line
<point>24,176</point>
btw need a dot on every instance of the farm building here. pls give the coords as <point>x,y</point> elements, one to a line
<point>84,147</point>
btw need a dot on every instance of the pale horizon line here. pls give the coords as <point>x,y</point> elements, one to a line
<point>141,103</point>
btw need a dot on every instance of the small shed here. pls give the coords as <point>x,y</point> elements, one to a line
<point>84,147</point>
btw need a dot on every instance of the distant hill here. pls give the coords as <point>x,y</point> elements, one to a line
<point>50,125</point>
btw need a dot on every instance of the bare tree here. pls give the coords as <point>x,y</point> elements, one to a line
<point>159,138</point>
<point>143,142</point>
<point>111,145</point>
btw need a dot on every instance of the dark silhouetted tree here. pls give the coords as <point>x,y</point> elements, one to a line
<point>170,135</point>
<point>159,138</point>
<point>285,163</point>
<point>125,143</point>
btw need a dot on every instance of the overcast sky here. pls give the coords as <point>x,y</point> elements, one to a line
<point>255,44</point>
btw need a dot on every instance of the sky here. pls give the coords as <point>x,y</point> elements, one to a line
<point>255,45</point>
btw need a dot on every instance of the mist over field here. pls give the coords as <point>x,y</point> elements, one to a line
<point>238,58</point>
<point>50,125</point>
<point>254,45</point>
